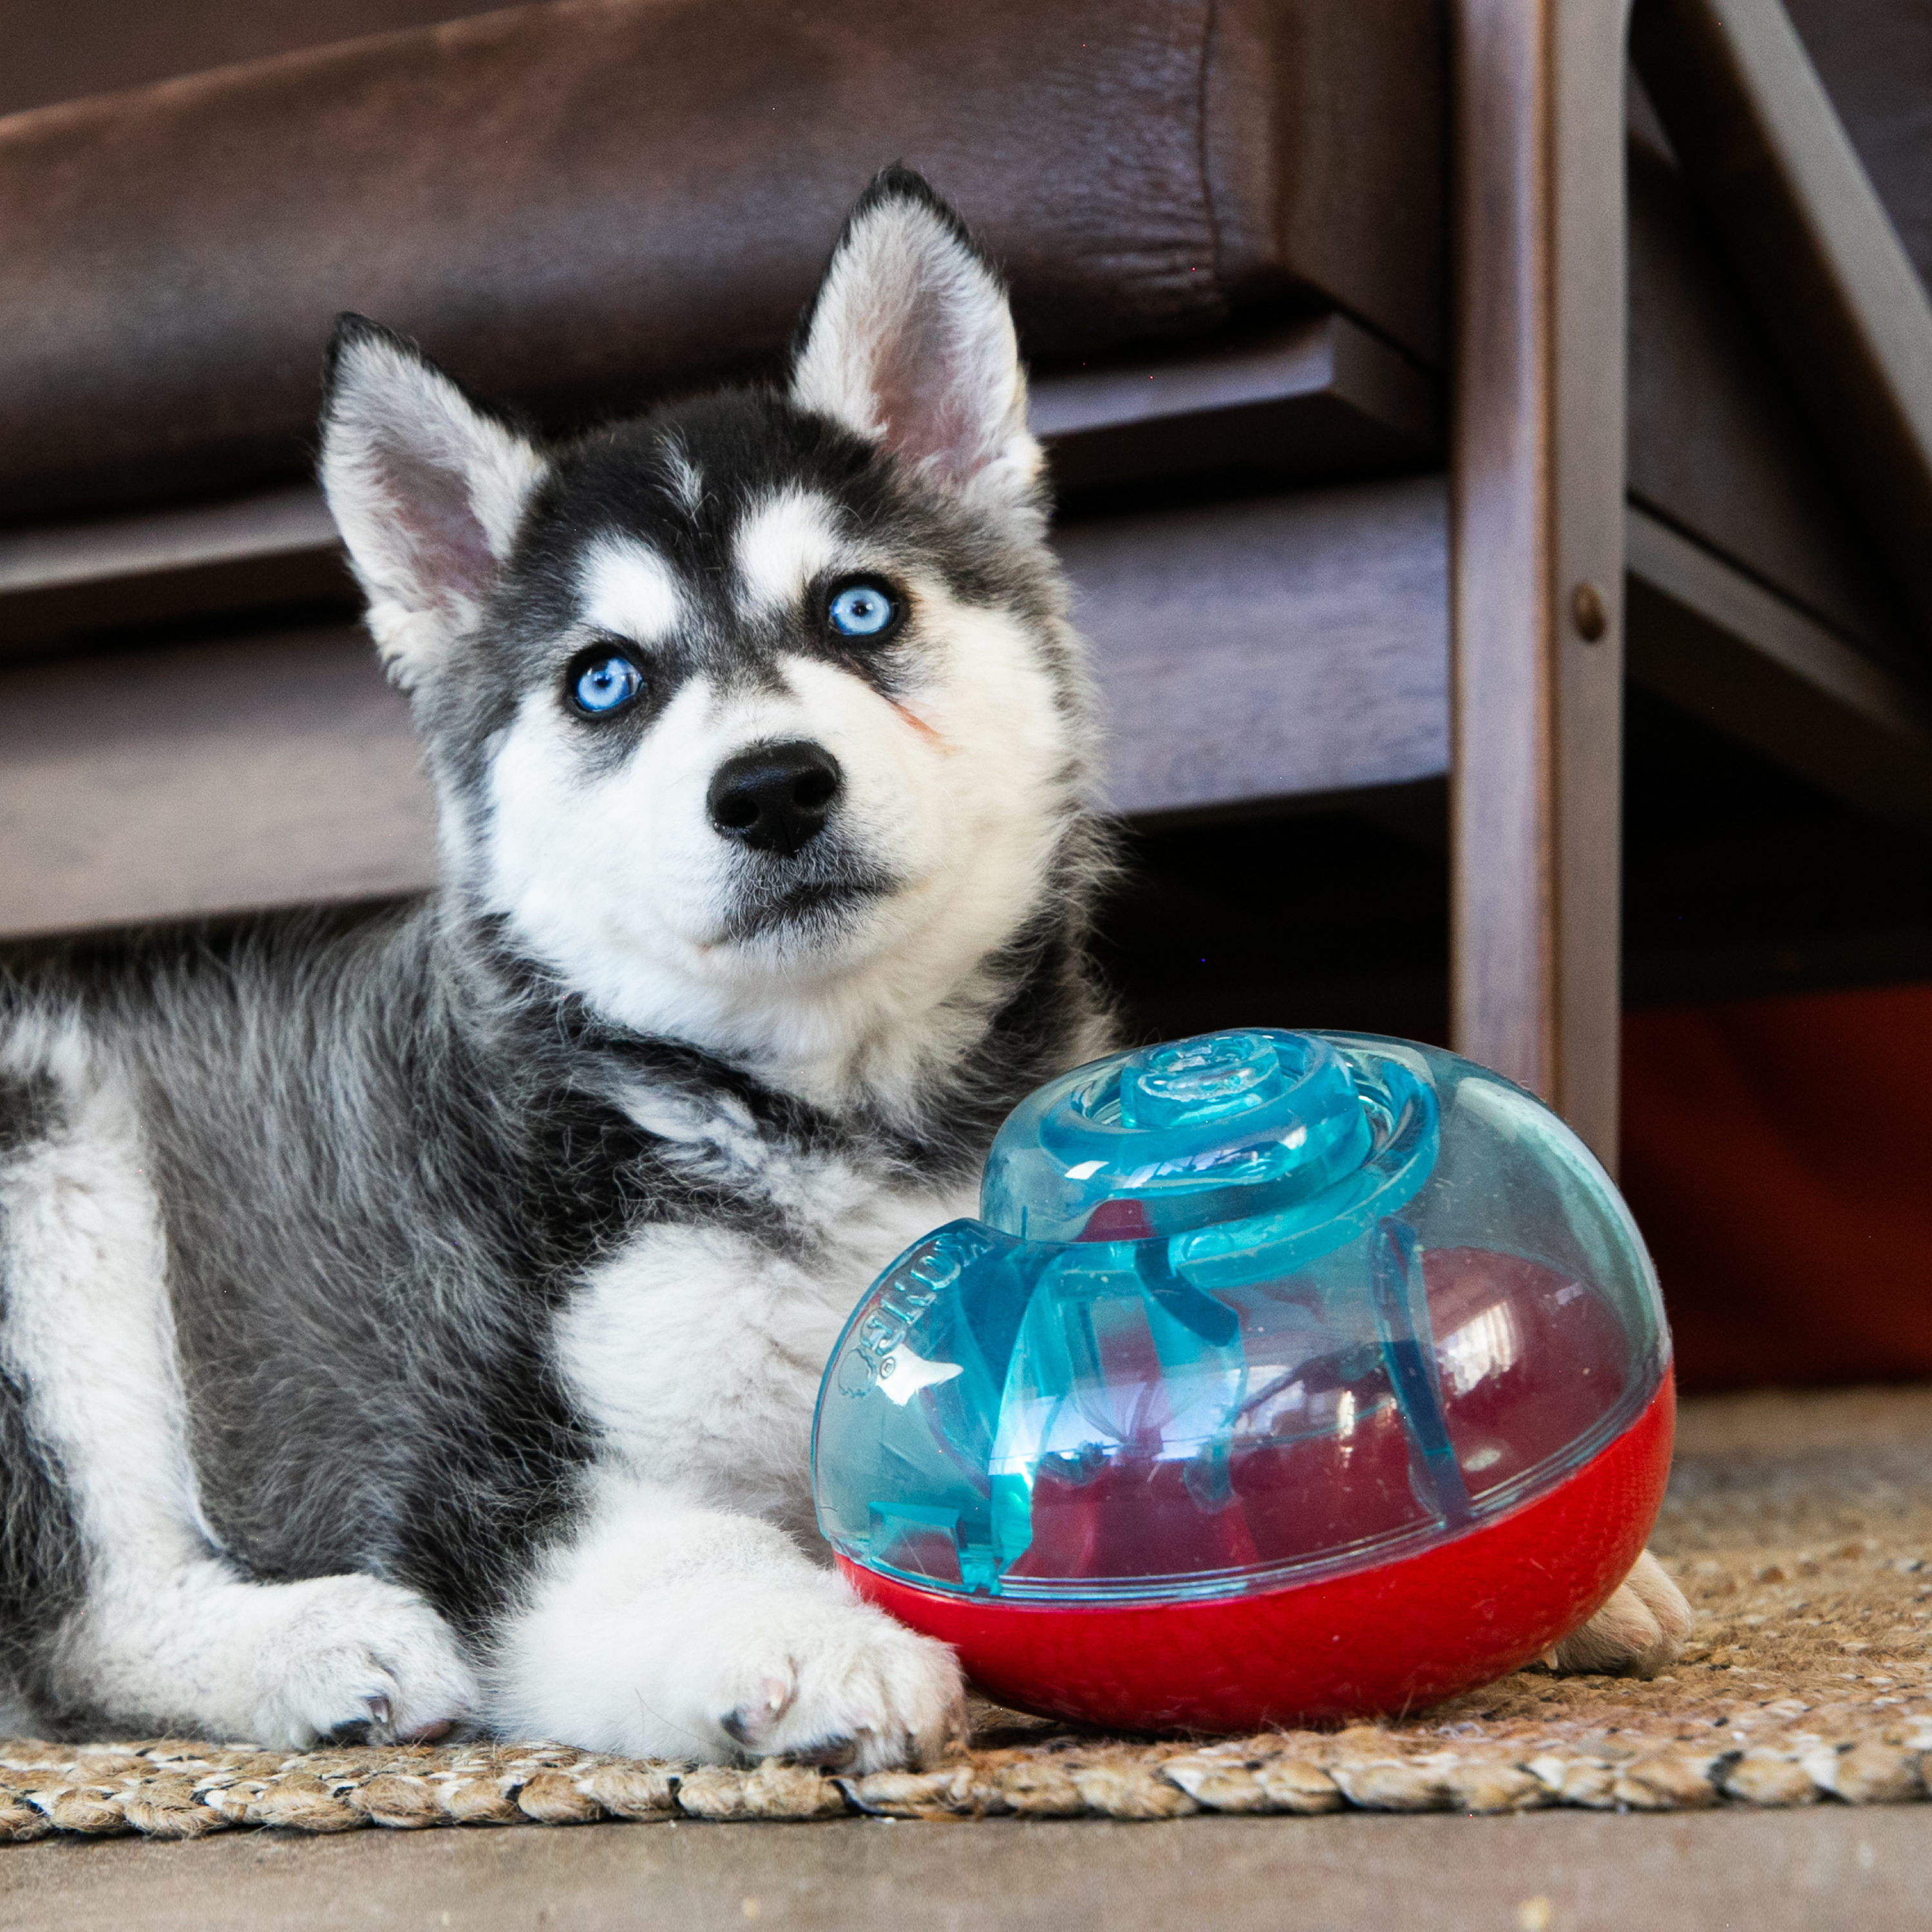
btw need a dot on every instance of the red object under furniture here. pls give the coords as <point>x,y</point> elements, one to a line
<point>1778,1155</point>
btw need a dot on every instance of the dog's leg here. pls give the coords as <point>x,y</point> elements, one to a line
<point>165,1630</point>
<point>666,1629</point>
<point>1640,1630</point>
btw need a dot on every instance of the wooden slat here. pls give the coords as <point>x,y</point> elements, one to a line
<point>1285,647</point>
<point>1720,444</point>
<point>1318,396</point>
<point>1761,143</point>
<point>277,546</point>
<point>1708,638</point>
<point>1264,649</point>
<point>1537,461</point>
<point>1318,399</point>
<point>151,785</point>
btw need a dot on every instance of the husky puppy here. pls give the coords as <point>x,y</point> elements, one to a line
<point>419,1325</point>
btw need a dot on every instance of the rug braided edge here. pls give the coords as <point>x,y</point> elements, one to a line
<point>173,1789</point>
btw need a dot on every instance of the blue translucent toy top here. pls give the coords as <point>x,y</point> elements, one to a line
<point>1241,1310</point>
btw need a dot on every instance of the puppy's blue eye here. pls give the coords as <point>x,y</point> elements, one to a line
<point>860,611</point>
<point>607,685</point>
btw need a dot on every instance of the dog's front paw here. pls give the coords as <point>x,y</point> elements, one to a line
<point>351,1659</point>
<point>824,1679</point>
<point>1640,1630</point>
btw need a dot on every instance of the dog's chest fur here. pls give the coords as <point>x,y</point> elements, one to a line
<point>694,1351</point>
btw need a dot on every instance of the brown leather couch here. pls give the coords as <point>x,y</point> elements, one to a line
<point>581,204</point>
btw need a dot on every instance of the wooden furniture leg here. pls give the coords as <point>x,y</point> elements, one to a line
<point>1537,544</point>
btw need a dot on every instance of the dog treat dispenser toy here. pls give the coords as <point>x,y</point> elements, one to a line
<point>1287,1376</point>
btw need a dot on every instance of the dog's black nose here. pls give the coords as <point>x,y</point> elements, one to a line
<point>776,798</point>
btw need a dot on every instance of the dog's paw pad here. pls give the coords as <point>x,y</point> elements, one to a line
<point>1639,1630</point>
<point>862,1693</point>
<point>353,1660</point>
<point>373,1728</point>
<point>754,1720</point>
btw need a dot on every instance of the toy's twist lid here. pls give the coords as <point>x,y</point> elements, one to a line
<point>1240,1310</point>
<point>1225,1128</point>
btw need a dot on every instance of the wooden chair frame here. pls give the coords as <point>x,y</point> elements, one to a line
<point>1538,516</point>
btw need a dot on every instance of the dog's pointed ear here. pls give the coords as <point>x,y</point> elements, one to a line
<point>910,343</point>
<point>426,490</point>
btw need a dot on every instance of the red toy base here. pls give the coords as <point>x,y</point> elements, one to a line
<point>1394,1637</point>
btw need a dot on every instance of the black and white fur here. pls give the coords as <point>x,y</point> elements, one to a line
<point>418,1324</point>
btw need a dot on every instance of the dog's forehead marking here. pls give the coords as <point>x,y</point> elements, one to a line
<point>627,588</point>
<point>783,540</point>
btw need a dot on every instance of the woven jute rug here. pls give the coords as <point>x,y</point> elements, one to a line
<point>1800,1525</point>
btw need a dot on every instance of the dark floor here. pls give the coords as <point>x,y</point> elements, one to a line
<point>1829,1867</point>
